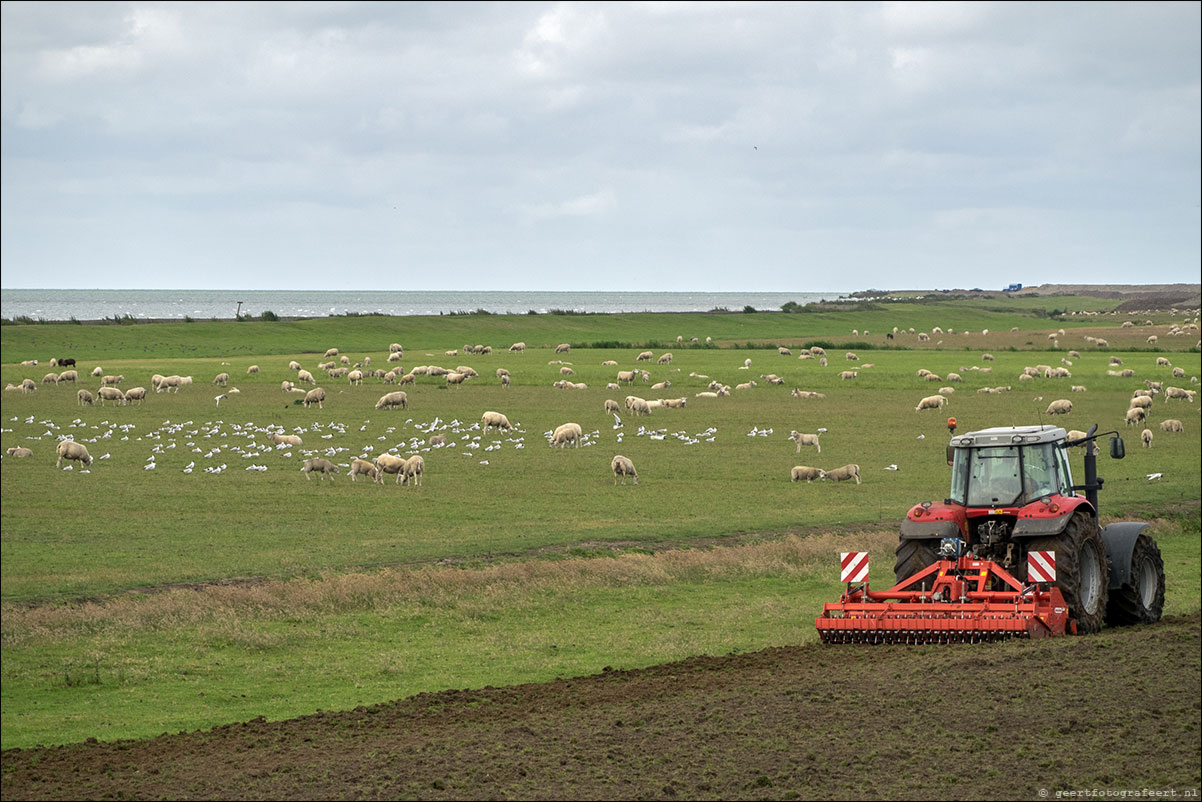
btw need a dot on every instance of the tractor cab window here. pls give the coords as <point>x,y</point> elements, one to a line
<point>1039,473</point>
<point>988,477</point>
<point>1064,472</point>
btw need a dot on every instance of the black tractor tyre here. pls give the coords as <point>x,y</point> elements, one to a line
<point>912,557</point>
<point>1141,599</point>
<point>1082,570</point>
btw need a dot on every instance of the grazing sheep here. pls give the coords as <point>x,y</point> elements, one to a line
<point>496,420</point>
<point>395,348</point>
<point>97,371</point>
<point>84,397</point>
<point>395,356</point>
<point>319,465</point>
<point>640,406</point>
<point>331,352</point>
<point>850,471</point>
<point>1077,388</point>
<point>19,452</point>
<point>387,463</point>
<point>954,377</point>
<point>392,400</point>
<point>305,376</point>
<point>112,381</point>
<point>987,358</point>
<point>1136,415</point>
<point>566,371</point>
<point>364,468</point>
<point>1179,392</point>
<point>110,394</point>
<point>502,373</point>
<point>931,402</point>
<point>1171,425</point>
<point>294,365</point>
<point>805,440</point>
<point>50,378</point>
<point>563,348</point>
<point>1178,373</point>
<point>569,433</point>
<point>800,472</point>
<point>68,376</point>
<point>286,439</point>
<point>315,396</point>
<point>355,377</point>
<point>28,386</point>
<point>1074,434</point>
<point>1146,437</point>
<point>847,374</point>
<point>1060,407</point>
<point>612,406</point>
<point>1141,401</point>
<point>454,378</point>
<point>1152,339</point>
<point>645,356</point>
<point>850,356</point>
<point>222,379</point>
<point>518,347</point>
<point>664,359</point>
<point>621,466</point>
<point>71,450</point>
<point>139,394</point>
<point>252,369</point>
<point>784,351</point>
<point>415,468</point>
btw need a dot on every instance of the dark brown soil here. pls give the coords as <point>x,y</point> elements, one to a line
<point>1117,711</point>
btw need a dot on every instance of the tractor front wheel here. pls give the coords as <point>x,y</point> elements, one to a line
<point>1081,570</point>
<point>912,557</point>
<point>1140,600</point>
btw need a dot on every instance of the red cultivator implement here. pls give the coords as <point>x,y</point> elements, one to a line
<point>961,599</point>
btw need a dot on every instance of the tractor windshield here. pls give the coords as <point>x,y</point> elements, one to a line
<point>1004,476</point>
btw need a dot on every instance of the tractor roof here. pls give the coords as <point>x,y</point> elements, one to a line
<point>1009,436</point>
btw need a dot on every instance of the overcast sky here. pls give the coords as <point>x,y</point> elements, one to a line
<point>577,146</point>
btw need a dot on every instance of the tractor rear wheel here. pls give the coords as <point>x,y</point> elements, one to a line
<point>1141,600</point>
<point>1082,573</point>
<point>912,557</point>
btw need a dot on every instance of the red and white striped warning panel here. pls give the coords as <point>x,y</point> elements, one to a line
<point>1041,566</point>
<point>855,566</point>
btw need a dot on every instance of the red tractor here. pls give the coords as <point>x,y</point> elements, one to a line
<point>1014,551</point>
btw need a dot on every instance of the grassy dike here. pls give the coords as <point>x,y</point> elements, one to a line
<point>139,601</point>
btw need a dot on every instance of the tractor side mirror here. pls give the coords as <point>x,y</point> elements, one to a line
<point>1117,450</point>
<point>951,452</point>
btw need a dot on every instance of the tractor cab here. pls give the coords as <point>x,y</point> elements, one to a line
<point>1009,467</point>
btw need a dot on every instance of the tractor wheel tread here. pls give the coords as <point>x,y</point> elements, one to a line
<point>1080,535</point>
<point>1127,605</point>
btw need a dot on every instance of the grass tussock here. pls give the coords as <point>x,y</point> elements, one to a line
<point>225,607</point>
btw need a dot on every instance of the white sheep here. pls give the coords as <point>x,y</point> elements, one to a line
<point>111,380</point>
<point>1136,415</point>
<point>395,348</point>
<point>97,371</point>
<point>847,374</point>
<point>361,467</point>
<point>388,463</point>
<point>849,471</point>
<point>139,394</point>
<point>664,359</point>
<point>490,420</point>
<point>850,356</point>
<point>84,397</point>
<point>639,406</point>
<point>673,403</point>
<point>315,396</point>
<point>305,376</point>
<point>800,472</point>
<point>931,402</point>
<point>319,465</point>
<point>110,394</point>
<point>805,440</point>
<point>518,347</point>
<point>645,356</point>
<point>68,376</point>
<point>1179,392</point>
<point>71,450</point>
<point>1142,401</point>
<point>286,439</point>
<point>622,466</point>
<point>392,400</point>
<point>1146,437</point>
<point>563,348</point>
<point>415,468</point>
<point>355,377</point>
<point>331,352</point>
<point>221,379</point>
<point>50,378</point>
<point>1060,406</point>
<point>569,433</point>
<point>294,365</point>
<point>20,452</point>
<point>612,406</point>
<point>252,369</point>
<point>1171,425</point>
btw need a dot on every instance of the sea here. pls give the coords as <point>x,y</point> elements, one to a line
<point>88,305</point>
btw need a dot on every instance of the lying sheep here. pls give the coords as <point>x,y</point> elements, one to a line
<point>319,465</point>
<point>19,452</point>
<point>1077,388</point>
<point>673,403</point>
<point>393,400</point>
<point>84,397</point>
<point>71,450</point>
<point>490,420</point>
<point>415,468</point>
<point>1171,425</point>
<point>850,471</point>
<point>437,440</point>
<point>1061,406</point>
<point>622,466</point>
<point>1146,437</point>
<point>805,440</point>
<point>800,472</point>
<point>315,396</point>
<point>361,467</point>
<point>931,402</point>
<point>286,439</point>
<point>139,394</point>
<point>110,394</point>
<point>570,433</point>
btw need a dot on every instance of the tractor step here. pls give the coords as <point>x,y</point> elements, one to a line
<point>965,600</point>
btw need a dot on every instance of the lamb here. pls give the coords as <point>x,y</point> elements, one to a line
<point>71,450</point>
<point>805,440</point>
<point>1060,407</point>
<point>364,468</point>
<point>68,376</point>
<point>286,439</point>
<point>800,472</point>
<point>110,394</point>
<point>622,466</point>
<point>931,402</point>
<point>139,394</point>
<point>569,433</point>
<point>496,420</point>
<point>850,471</point>
<point>387,463</point>
<point>393,400</point>
<point>1146,437</point>
<point>315,396</point>
<point>319,465</point>
<point>305,376</point>
<point>19,452</point>
<point>415,467</point>
<point>1136,415</point>
<point>1171,425</point>
<point>84,397</point>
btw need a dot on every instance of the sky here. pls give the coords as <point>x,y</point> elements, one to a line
<point>724,147</point>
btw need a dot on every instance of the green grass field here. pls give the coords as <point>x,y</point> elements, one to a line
<point>138,600</point>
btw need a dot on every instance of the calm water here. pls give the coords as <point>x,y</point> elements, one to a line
<point>206,304</point>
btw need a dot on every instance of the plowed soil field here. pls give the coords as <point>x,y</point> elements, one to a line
<point>1099,715</point>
